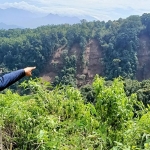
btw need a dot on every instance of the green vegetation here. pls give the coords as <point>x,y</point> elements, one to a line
<point>142,89</point>
<point>111,114</point>
<point>58,118</point>
<point>118,40</point>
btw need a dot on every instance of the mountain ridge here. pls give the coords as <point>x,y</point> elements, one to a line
<point>15,18</point>
<point>6,27</point>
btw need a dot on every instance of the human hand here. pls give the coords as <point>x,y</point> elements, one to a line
<point>28,71</point>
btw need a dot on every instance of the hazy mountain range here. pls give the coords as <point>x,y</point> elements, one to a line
<point>19,18</point>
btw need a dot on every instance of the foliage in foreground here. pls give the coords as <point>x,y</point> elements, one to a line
<point>60,119</point>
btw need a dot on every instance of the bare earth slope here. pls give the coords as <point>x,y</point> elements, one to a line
<point>91,65</point>
<point>143,54</point>
<point>85,71</point>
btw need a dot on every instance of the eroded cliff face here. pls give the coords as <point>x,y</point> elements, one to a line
<point>56,61</point>
<point>87,67</point>
<point>143,55</point>
<point>90,64</point>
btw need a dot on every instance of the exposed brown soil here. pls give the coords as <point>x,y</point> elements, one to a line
<point>92,65</point>
<point>85,72</point>
<point>143,55</point>
<point>50,70</point>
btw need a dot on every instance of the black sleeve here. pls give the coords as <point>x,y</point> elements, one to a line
<point>10,78</point>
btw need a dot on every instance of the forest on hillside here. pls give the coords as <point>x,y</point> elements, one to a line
<point>118,41</point>
<point>111,113</point>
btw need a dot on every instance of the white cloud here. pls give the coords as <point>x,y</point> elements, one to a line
<point>101,9</point>
<point>137,4</point>
<point>21,5</point>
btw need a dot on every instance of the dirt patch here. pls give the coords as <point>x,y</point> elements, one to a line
<point>49,77</point>
<point>143,56</point>
<point>92,64</point>
<point>57,57</point>
<point>88,63</point>
<point>54,65</point>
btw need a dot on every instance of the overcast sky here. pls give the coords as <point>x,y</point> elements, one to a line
<point>99,9</point>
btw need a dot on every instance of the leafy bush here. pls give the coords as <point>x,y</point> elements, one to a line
<point>58,118</point>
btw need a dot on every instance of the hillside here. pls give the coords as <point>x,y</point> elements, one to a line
<point>6,27</point>
<point>93,65</point>
<point>85,73</point>
<point>74,54</point>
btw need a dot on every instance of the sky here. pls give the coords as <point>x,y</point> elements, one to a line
<point>102,10</point>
